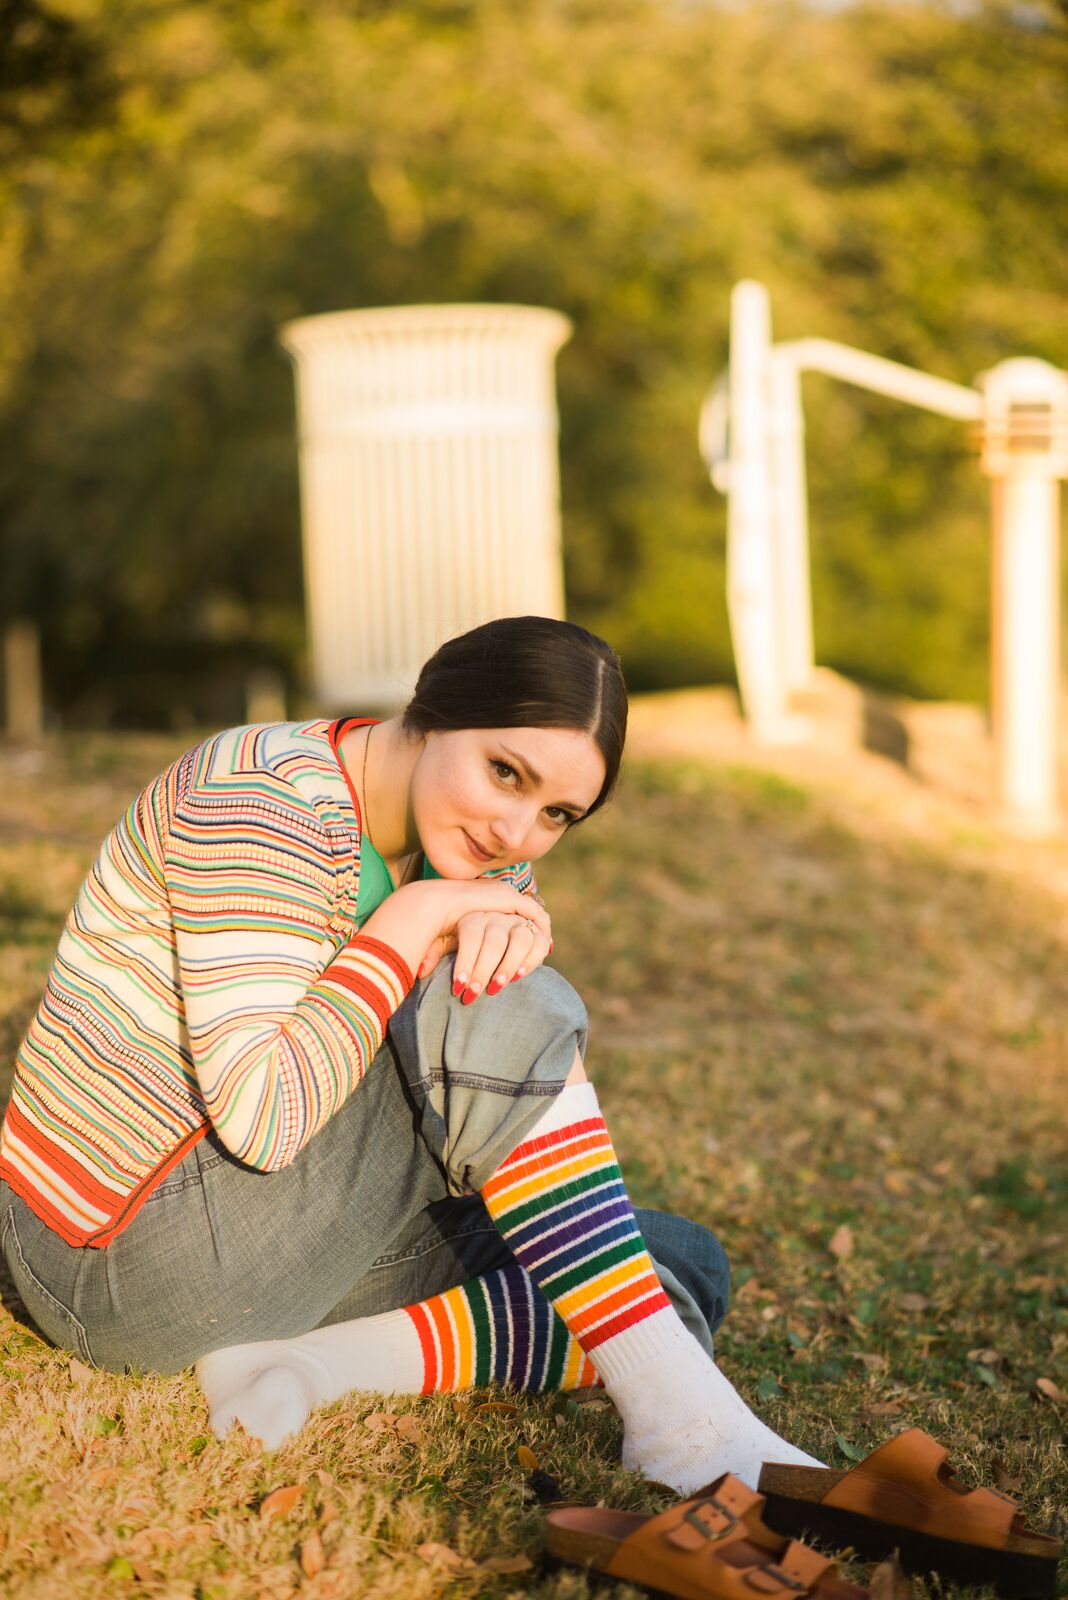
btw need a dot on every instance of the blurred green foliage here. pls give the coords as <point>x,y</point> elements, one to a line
<point>177,179</point>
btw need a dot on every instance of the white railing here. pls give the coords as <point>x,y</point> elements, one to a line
<point>429,484</point>
<point>752,438</point>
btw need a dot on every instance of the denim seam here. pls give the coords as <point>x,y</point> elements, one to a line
<point>46,1294</point>
<point>511,1091</point>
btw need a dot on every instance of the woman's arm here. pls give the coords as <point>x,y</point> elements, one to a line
<point>278,1041</point>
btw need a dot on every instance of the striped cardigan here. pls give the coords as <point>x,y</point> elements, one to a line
<point>210,973</point>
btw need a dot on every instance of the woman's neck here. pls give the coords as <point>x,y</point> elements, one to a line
<point>381,772</point>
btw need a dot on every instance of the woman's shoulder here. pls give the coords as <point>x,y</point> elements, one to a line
<point>282,762</point>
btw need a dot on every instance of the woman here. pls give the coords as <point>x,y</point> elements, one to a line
<point>257,1112</point>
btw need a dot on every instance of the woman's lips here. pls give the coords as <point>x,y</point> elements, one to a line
<point>476,849</point>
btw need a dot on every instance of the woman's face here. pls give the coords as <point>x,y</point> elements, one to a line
<point>487,797</point>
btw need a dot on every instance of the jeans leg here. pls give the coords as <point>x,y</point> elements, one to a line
<point>222,1253</point>
<point>454,1240</point>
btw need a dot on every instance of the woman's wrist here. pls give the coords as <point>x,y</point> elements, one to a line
<point>408,921</point>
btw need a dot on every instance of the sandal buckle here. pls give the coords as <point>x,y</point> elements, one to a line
<point>778,1577</point>
<point>712,1535</point>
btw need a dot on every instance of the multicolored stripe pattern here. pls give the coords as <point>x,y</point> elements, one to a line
<point>560,1204</point>
<point>209,973</point>
<point>497,1329</point>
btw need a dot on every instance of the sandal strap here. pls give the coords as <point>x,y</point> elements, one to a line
<point>715,1514</point>
<point>796,1571</point>
<point>678,1552</point>
<point>908,1482</point>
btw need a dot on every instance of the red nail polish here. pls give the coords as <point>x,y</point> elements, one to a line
<point>494,986</point>
<point>457,989</point>
<point>468,997</point>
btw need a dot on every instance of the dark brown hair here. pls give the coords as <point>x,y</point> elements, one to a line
<point>526,672</point>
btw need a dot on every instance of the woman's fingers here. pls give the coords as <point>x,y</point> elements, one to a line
<point>482,943</point>
<point>490,898</point>
<point>494,950</point>
<point>442,946</point>
<point>527,949</point>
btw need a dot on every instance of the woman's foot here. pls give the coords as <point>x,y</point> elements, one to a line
<point>269,1388</point>
<point>684,1423</point>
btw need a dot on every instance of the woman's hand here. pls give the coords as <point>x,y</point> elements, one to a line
<point>422,922</point>
<point>492,949</point>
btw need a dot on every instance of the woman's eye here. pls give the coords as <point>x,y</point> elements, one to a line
<point>503,771</point>
<point>558,816</point>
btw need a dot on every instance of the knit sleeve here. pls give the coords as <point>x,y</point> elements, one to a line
<point>281,1028</point>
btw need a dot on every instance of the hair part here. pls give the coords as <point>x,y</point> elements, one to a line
<point>526,672</point>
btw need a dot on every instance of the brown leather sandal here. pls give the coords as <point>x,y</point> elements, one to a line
<point>713,1546</point>
<point>906,1497</point>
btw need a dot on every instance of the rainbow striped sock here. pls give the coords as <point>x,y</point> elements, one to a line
<point>560,1203</point>
<point>497,1329</point>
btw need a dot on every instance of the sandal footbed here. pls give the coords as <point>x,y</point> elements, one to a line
<point>1021,1574</point>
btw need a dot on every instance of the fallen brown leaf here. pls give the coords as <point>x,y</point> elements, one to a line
<point>871,1361</point>
<point>896,1183</point>
<point>312,1559</point>
<point>1006,1481</point>
<point>380,1422</point>
<point>431,1551</point>
<point>506,1564</point>
<point>505,1407</point>
<point>327,1479</point>
<point>913,1302</point>
<point>986,1358</point>
<point>885,1408</point>
<point>526,1458</point>
<point>1047,1387</point>
<point>888,1582</point>
<point>327,1513</point>
<point>79,1372</point>
<point>841,1242</point>
<point>410,1430</point>
<point>280,1502</point>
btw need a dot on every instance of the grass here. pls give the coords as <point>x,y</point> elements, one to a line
<point>839,1041</point>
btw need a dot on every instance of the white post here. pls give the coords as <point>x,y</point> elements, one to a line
<point>429,483</point>
<point>790,522</point>
<point>1025,452</point>
<point>24,719</point>
<point>752,584</point>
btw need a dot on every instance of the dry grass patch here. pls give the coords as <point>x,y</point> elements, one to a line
<point>839,1042</point>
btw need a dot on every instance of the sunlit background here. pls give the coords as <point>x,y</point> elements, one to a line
<point>181,179</point>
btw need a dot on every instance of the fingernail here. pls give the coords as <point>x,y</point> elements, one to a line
<point>520,972</point>
<point>472,993</point>
<point>459,983</point>
<point>495,985</point>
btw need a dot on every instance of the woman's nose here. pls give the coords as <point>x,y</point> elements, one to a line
<point>511,829</point>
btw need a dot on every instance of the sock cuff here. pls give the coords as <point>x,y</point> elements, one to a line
<point>660,1341</point>
<point>576,1102</point>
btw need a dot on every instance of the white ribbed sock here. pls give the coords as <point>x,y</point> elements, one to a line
<point>684,1423</point>
<point>272,1387</point>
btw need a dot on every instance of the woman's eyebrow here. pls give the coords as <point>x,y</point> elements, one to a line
<point>535,779</point>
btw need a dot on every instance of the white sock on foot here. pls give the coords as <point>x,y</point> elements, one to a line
<point>684,1423</point>
<point>272,1387</point>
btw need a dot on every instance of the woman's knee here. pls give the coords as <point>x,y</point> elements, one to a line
<point>527,1034</point>
<point>486,1072</point>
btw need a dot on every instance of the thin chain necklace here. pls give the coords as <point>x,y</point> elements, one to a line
<point>363,782</point>
<point>404,864</point>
